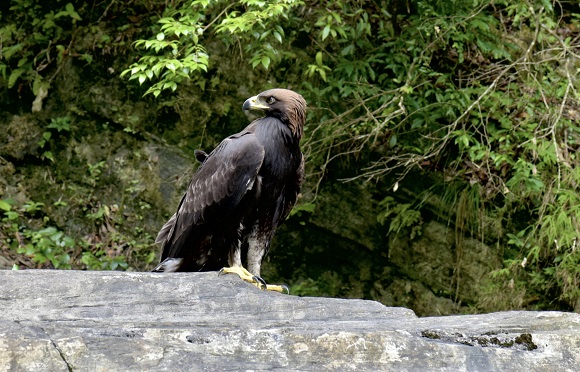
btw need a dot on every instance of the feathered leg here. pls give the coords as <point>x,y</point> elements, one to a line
<point>255,255</point>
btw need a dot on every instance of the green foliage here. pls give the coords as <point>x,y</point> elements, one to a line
<point>303,208</point>
<point>328,285</point>
<point>401,217</point>
<point>307,287</point>
<point>256,24</point>
<point>33,38</point>
<point>100,261</point>
<point>60,124</point>
<point>42,246</point>
<point>182,55</point>
<point>95,171</point>
<point>48,244</point>
<point>25,229</point>
<point>176,53</point>
<point>38,38</point>
<point>456,91</point>
<point>40,41</point>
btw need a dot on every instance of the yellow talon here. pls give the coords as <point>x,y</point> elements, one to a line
<point>277,288</point>
<point>247,276</point>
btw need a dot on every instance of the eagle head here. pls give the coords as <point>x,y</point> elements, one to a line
<point>286,105</point>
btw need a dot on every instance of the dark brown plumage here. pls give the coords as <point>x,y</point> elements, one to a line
<point>241,193</point>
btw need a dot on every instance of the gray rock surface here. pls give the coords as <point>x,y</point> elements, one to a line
<point>114,321</point>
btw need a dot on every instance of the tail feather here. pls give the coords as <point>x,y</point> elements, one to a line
<point>169,265</point>
<point>166,231</point>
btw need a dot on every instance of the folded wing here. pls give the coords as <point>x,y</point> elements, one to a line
<point>215,191</point>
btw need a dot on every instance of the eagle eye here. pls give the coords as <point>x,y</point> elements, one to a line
<point>271,100</point>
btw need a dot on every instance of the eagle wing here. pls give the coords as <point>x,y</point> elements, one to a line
<point>216,189</point>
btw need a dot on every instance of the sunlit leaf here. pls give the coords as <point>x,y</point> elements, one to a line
<point>319,58</point>
<point>5,206</point>
<point>325,32</point>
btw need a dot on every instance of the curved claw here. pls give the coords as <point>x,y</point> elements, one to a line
<point>261,283</point>
<point>278,288</point>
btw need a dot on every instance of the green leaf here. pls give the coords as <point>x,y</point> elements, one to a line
<point>48,155</point>
<point>325,32</point>
<point>548,5</point>
<point>406,89</point>
<point>336,17</point>
<point>87,57</point>
<point>14,76</point>
<point>265,61</point>
<point>3,68</point>
<point>319,58</point>
<point>349,49</point>
<point>306,207</point>
<point>74,15</point>
<point>5,206</point>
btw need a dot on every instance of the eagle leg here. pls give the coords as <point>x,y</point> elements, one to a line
<point>247,276</point>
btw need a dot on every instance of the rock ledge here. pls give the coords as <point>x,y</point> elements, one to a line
<point>86,321</point>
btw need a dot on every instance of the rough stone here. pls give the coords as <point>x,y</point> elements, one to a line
<point>86,321</point>
<point>20,137</point>
<point>437,269</point>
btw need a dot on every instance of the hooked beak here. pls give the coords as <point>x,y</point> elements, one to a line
<point>255,103</point>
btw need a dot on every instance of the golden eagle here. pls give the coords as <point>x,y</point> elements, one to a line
<point>240,194</point>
